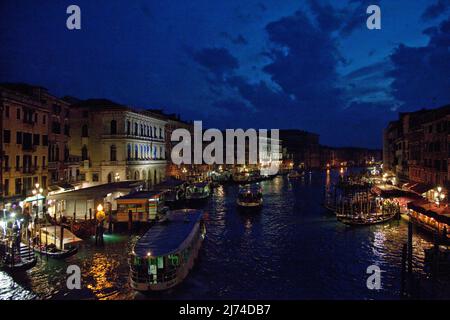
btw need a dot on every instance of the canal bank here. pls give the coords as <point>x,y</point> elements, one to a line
<point>293,248</point>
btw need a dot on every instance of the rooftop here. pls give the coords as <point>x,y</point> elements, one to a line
<point>166,237</point>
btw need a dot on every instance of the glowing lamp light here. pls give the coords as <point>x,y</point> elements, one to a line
<point>439,189</point>
<point>99,207</point>
<point>149,254</point>
<point>442,196</point>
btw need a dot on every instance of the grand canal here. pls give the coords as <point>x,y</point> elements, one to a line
<point>292,249</point>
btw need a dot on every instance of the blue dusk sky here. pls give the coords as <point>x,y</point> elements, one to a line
<point>310,65</point>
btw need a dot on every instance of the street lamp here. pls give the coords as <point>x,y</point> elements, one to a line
<point>439,196</point>
<point>37,193</point>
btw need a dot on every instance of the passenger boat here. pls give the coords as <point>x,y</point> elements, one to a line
<point>56,242</point>
<point>21,259</point>
<point>241,177</point>
<point>163,257</point>
<point>250,197</point>
<point>198,192</point>
<point>294,174</point>
<point>141,206</point>
<point>174,191</point>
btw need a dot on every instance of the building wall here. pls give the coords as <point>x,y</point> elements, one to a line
<point>59,133</point>
<point>25,143</point>
<point>416,147</point>
<point>134,150</point>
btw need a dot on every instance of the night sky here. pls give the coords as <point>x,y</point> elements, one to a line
<point>310,65</point>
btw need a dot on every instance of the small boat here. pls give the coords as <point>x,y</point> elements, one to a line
<point>174,191</point>
<point>250,197</point>
<point>19,260</point>
<point>365,219</point>
<point>294,174</point>
<point>51,243</point>
<point>198,192</point>
<point>163,257</point>
<point>241,177</point>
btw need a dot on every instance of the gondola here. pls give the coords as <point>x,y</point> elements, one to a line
<point>50,242</point>
<point>364,220</point>
<point>24,259</point>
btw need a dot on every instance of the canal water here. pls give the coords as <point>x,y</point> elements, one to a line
<point>292,249</point>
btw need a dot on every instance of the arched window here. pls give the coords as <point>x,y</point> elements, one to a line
<point>113,153</point>
<point>142,130</point>
<point>129,152</point>
<point>160,133</point>
<point>84,131</point>
<point>151,131</point>
<point>84,153</point>
<point>128,127</point>
<point>113,127</point>
<point>136,152</point>
<point>135,129</point>
<point>154,132</point>
<point>110,177</point>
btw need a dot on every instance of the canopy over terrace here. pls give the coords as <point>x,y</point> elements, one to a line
<point>82,200</point>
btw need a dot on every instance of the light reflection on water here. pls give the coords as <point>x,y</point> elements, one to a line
<point>292,249</point>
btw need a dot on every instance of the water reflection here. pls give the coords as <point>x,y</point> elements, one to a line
<point>291,249</point>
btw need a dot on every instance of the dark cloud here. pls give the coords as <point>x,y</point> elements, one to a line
<point>304,63</point>
<point>356,15</point>
<point>327,17</point>
<point>422,74</point>
<point>436,10</point>
<point>219,61</point>
<point>239,40</point>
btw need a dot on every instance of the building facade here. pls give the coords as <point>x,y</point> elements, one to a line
<point>116,143</point>
<point>24,140</point>
<point>416,147</point>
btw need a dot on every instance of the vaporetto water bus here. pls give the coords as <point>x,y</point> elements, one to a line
<point>163,257</point>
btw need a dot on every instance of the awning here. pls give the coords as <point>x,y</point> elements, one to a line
<point>440,214</point>
<point>420,188</point>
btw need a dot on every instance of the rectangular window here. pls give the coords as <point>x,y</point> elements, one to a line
<point>7,111</point>
<point>6,187</point>
<point>45,140</point>
<point>43,162</point>
<point>17,163</point>
<point>44,182</point>
<point>36,139</point>
<point>18,114</point>
<point>6,161</point>
<point>35,162</point>
<point>95,177</point>
<point>18,186</point>
<point>6,136</point>
<point>18,137</point>
<point>56,127</point>
<point>44,119</point>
